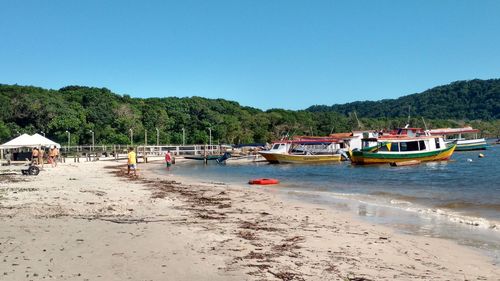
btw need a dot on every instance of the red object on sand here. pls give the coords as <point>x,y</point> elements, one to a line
<point>264,181</point>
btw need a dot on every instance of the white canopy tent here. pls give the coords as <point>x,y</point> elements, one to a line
<point>43,141</point>
<point>23,140</point>
<point>26,140</point>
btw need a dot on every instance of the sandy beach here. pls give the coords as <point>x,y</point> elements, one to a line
<point>89,221</point>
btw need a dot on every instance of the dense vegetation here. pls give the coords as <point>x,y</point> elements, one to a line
<point>461,100</point>
<point>81,109</point>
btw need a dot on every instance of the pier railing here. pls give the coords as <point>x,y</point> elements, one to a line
<point>146,150</point>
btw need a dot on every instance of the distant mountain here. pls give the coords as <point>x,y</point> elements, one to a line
<point>461,100</point>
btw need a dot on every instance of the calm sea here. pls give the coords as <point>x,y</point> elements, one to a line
<point>457,199</point>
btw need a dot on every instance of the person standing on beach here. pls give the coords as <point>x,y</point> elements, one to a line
<point>56,155</point>
<point>56,152</point>
<point>41,153</point>
<point>34,156</point>
<point>168,160</point>
<point>132,161</point>
<point>52,156</point>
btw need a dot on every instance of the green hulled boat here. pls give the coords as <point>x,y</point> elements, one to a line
<point>393,149</point>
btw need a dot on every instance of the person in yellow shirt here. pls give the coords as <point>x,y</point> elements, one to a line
<point>132,161</point>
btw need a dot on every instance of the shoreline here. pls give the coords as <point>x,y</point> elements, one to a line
<point>99,224</point>
<point>395,210</point>
<point>283,198</point>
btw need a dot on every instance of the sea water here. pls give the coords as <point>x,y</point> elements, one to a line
<point>457,199</point>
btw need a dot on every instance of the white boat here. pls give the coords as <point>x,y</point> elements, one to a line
<point>466,138</point>
<point>357,139</point>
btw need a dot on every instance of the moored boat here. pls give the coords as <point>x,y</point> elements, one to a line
<point>466,138</point>
<point>402,148</point>
<point>305,150</point>
<point>307,158</point>
<point>201,157</point>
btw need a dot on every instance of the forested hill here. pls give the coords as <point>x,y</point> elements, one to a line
<point>461,100</point>
<point>80,110</point>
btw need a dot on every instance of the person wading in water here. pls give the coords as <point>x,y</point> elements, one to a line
<point>168,160</point>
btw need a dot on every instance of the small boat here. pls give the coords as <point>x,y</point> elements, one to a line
<point>354,139</point>
<point>263,181</point>
<point>307,158</point>
<point>201,157</point>
<point>466,138</point>
<point>303,150</point>
<point>405,163</point>
<point>404,148</point>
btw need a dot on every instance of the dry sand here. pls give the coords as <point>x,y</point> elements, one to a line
<point>88,221</point>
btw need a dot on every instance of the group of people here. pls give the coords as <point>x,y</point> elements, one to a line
<point>39,156</point>
<point>132,161</point>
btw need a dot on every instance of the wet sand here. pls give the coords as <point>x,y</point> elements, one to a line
<point>89,221</point>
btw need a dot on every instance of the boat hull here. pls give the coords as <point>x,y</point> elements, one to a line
<point>365,157</point>
<point>465,145</point>
<point>270,157</point>
<point>303,159</point>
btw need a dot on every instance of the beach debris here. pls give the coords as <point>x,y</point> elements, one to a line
<point>358,279</point>
<point>286,275</point>
<point>95,192</point>
<point>255,226</point>
<point>259,266</point>
<point>255,255</point>
<point>248,235</point>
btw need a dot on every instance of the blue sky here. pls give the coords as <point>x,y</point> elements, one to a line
<point>261,53</point>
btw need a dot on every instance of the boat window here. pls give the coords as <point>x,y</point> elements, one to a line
<point>383,148</point>
<point>409,146</point>
<point>421,144</point>
<point>276,146</point>
<point>437,143</point>
<point>395,146</point>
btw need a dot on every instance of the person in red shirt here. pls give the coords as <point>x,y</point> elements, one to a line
<point>168,160</point>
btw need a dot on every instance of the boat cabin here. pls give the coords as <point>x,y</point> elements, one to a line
<point>403,145</point>
<point>307,145</point>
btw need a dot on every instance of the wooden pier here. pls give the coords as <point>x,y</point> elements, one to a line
<point>92,153</point>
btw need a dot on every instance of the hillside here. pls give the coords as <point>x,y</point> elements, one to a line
<point>461,100</point>
<point>28,109</point>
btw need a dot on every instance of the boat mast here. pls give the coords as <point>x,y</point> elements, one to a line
<point>427,133</point>
<point>359,123</point>
<point>408,122</point>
